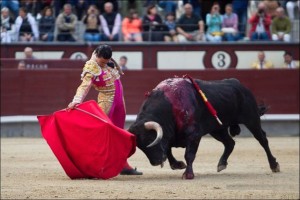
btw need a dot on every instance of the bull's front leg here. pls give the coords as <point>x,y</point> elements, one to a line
<point>175,164</point>
<point>190,154</point>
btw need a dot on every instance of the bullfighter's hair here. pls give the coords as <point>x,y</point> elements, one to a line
<point>104,51</point>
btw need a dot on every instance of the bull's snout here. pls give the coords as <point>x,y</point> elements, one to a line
<point>159,161</point>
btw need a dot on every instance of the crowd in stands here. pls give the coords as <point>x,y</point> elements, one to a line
<point>168,20</point>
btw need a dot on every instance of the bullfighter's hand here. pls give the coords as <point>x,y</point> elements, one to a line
<point>71,106</point>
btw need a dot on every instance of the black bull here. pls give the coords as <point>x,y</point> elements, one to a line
<point>174,115</point>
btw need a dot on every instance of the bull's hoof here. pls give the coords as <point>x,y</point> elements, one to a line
<point>276,169</point>
<point>221,167</point>
<point>178,165</point>
<point>188,175</point>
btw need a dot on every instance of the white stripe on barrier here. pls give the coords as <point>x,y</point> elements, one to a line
<point>131,118</point>
<point>280,117</point>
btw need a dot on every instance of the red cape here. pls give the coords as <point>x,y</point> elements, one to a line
<point>86,143</point>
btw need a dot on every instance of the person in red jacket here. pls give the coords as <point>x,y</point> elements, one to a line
<point>260,24</point>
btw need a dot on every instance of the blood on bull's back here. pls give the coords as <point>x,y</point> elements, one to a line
<point>180,93</point>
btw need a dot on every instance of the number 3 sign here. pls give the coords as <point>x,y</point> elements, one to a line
<point>221,60</point>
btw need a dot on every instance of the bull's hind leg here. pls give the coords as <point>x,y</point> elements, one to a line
<point>175,164</point>
<point>260,135</point>
<point>228,142</point>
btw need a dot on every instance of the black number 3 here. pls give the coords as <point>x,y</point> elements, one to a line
<point>221,58</point>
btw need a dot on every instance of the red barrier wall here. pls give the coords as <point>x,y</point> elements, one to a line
<point>36,92</point>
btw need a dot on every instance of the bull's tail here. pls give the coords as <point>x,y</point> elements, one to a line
<point>234,130</point>
<point>262,109</point>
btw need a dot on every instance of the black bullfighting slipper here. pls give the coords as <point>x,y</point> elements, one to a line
<point>130,172</point>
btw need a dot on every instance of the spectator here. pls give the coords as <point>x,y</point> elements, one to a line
<point>12,5</point>
<point>22,65</point>
<point>7,25</point>
<point>196,4</point>
<point>26,26</point>
<point>289,62</point>
<point>111,23</point>
<point>222,4</point>
<point>79,6</point>
<point>214,22</point>
<point>260,24</point>
<point>171,24</point>
<point>123,63</point>
<point>30,6</point>
<point>153,26</point>
<point>240,8</point>
<point>206,8</point>
<point>132,27</point>
<point>190,27</point>
<point>28,55</point>
<point>58,5</point>
<point>101,5</point>
<point>281,27</point>
<point>41,5</point>
<point>271,6</point>
<point>230,25</point>
<point>262,63</point>
<point>290,7</point>
<point>92,22</point>
<point>46,25</point>
<point>66,24</point>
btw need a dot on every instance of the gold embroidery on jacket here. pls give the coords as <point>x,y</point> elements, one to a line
<point>84,88</point>
<point>106,94</point>
<point>92,67</point>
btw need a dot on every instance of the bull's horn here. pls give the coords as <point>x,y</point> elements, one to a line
<point>154,126</point>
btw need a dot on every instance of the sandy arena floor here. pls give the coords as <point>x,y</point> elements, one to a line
<point>29,170</point>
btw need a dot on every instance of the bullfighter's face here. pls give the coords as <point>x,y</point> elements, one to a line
<point>102,61</point>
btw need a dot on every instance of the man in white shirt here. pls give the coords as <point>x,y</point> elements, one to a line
<point>110,22</point>
<point>289,62</point>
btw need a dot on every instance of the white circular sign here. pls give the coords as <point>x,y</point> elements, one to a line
<point>78,56</point>
<point>221,60</point>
